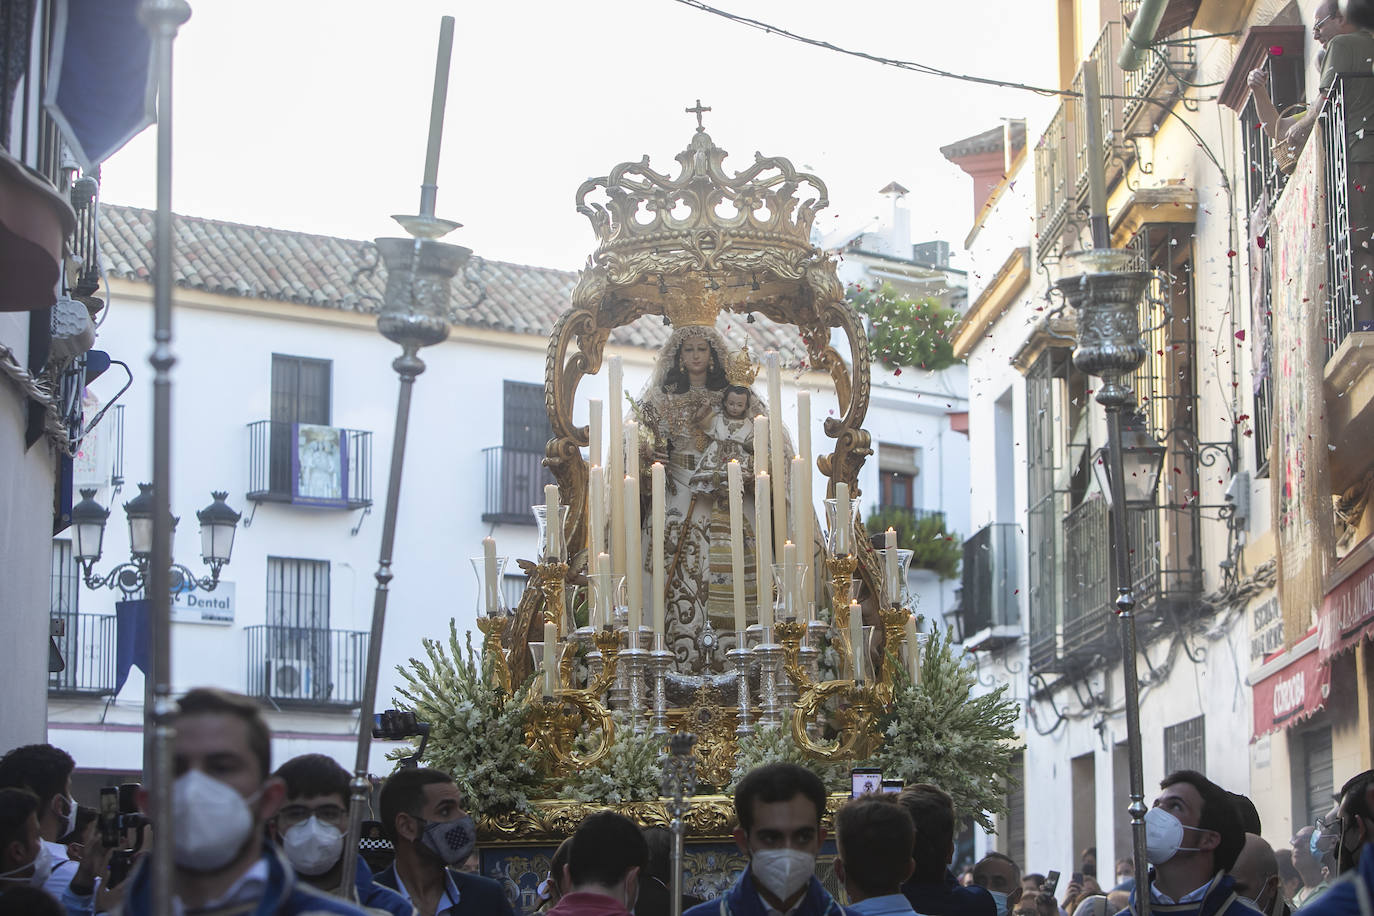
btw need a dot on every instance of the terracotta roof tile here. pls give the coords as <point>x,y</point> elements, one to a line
<point>317,270</point>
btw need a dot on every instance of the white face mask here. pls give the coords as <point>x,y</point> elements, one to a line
<point>1164,836</point>
<point>313,846</point>
<point>782,872</point>
<point>211,821</point>
<point>68,819</point>
<point>42,867</point>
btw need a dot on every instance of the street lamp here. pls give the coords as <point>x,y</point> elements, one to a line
<point>1142,459</point>
<point>217,525</point>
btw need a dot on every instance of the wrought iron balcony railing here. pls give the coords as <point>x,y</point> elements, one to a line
<point>306,666</point>
<point>990,580</point>
<point>515,481</point>
<point>87,646</point>
<point>1155,87</point>
<point>1089,579</point>
<point>309,465</point>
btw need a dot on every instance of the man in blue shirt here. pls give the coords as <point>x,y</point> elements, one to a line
<point>1353,889</point>
<point>873,833</point>
<point>779,808</point>
<point>932,889</point>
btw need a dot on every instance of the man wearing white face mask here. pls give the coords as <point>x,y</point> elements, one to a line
<point>779,808</point>
<point>24,862</point>
<point>310,829</point>
<point>606,858</point>
<point>221,800</point>
<point>422,811</point>
<point>1193,837</point>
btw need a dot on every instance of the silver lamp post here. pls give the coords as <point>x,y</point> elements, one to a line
<point>414,314</point>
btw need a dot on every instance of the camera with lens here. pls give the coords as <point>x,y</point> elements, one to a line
<point>120,818</point>
<point>397,725</point>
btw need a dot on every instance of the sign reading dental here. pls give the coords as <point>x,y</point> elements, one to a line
<point>199,606</point>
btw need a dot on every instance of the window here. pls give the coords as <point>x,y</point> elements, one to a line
<point>515,469</point>
<point>300,394</point>
<point>896,489</point>
<point>297,644</point>
<point>1185,746</point>
<point>298,593</point>
<point>898,468</point>
<point>66,579</point>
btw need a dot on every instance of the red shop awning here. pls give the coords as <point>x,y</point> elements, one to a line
<point>1292,693</point>
<point>1347,612</point>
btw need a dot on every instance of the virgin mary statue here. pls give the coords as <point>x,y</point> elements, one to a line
<point>697,412</point>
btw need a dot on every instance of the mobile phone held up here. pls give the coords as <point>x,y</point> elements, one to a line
<point>1051,883</point>
<point>863,780</point>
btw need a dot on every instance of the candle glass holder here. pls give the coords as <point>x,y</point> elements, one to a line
<point>894,575</point>
<point>479,569</point>
<point>538,651</point>
<point>905,597</point>
<point>557,552</point>
<point>861,661</point>
<point>912,655</point>
<point>840,532</point>
<point>788,601</point>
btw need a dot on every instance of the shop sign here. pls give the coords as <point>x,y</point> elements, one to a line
<point>1347,611</point>
<point>1266,628</point>
<point>1291,694</point>
<point>199,606</point>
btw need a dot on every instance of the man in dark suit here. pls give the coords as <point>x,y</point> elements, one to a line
<point>422,811</point>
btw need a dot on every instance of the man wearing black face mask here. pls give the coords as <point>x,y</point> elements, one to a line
<point>1352,891</point>
<point>1193,836</point>
<point>422,811</point>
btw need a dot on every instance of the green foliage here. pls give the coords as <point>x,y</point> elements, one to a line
<point>630,771</point>
<point>774,745</point>
<point>477,733</point>
<point>906,332</point>
<point>932,546</point>
<point>938,731</point>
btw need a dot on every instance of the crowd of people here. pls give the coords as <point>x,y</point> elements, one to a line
<point>248,839</point>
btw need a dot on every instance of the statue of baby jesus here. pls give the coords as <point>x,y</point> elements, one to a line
<point>729,435</point>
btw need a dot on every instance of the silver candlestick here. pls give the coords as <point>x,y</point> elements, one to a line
<point>678,785</point>
<point>770,660</point>
<point>740,659</point>
<point>660,660</point>
<point>634,661</point>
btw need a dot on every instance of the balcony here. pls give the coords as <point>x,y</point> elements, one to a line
<point>309,465</point>
<point>87,646</point>
<point>992,613</point>
<point>306,667</point>
<point>515,481</point>
<point>1089,579</point>
<point>1171,64</point>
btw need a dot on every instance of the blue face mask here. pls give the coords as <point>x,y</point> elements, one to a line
<point>1001,900</point>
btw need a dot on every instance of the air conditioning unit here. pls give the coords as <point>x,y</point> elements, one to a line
<point>290,679</point>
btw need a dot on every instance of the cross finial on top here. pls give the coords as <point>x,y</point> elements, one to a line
<point>698,111</point>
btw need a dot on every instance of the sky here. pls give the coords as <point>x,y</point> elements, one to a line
<point>313,116</point>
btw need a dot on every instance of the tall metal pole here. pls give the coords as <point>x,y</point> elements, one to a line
<point>414,314</point>
<point>162,18</point>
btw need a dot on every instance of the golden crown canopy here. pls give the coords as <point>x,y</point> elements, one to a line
<point>741,238</point>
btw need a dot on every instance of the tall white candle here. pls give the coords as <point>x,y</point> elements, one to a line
<point>615,464</point>
<point>913,651</point>
<point>806,543</point>
<point>776,458</point>
<point>789,573</point>
<point>634,597</point>
<point>763,536</point>
<point>735,484</point>
<point>596,500</point>
<point>553,527</point>
<point>657,522</point>
<point>605,592</point>
<point>760,444</point>
<point>890,566</point>
<point>632,468</point>
<point>491,587</point>
<point>594,431</point>
<point>856,640</point>
<point>843,519</point>
<point>794,533</point>
<point>550,659</point>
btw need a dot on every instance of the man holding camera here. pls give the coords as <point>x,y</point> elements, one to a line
<point>311,828</point>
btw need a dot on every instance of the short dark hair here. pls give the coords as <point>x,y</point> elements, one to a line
<point>404,793</point>
<point>16,804</point>
<point>29,901</point>
<point>204,701</point>
<point>605,846</point>
<point>932,814</point>
<point>873,833</point>
<point>994,854</point>
<point>1354,790</point>
<point>1218,814</point>
<point>314,774</point>
<point>40,768</point>
<point>1248,813</point>
<point>1287,870</point>
<point>776,782</point>
<point>659,841</point>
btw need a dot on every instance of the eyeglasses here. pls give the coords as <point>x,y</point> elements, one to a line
<point>327,814</point>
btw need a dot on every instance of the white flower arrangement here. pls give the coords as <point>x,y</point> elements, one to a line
<point>630,771</point>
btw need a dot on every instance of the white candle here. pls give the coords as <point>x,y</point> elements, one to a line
<point>913,650</point>
<point>594,431</point>
<point>633,567</point>
<point>657,521</point>
<point>596,500</point>
<point>735,482</point>
<point>856,640</point>
<point>842,518</point>
<point>806,543</point>
<point>632,449</point>
<point>763,537</point>
<point>491,587</point>
<point>615,466</point>
<point>795,533</point>
<point>776,458</point>
<point>605,616</point>
<point>789,574</point>
<point>550,659</point>
<point>890,566</point>
<point>553,531</point>
<point>760,444</point>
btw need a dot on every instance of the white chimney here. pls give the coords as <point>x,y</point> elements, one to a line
<point>899,230</point>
